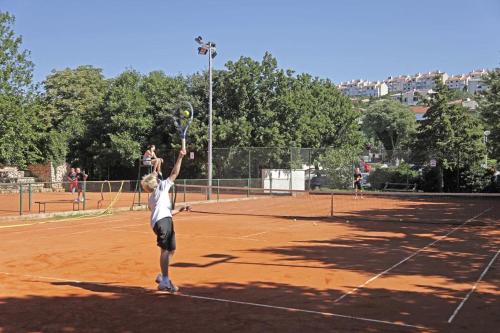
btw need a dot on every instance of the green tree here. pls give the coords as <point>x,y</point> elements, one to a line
<point>73,100</point>
<point>257,104</point>
<point>450,134</point>
<point>489,106</point>
<point>16,69</point>
<point>390,122</point>
<point>123,125</point>
<point>20,125</point>
<point>20,133</point>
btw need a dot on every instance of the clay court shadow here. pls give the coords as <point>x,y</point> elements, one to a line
<point>109,307</point>
<point>375,245</point>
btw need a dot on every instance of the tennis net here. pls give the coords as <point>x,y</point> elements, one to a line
<point>424,208</point>
<point>255,201</point>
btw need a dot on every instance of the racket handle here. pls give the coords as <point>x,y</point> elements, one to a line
<point>183,144</point>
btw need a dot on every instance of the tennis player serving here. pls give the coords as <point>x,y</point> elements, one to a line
<point>161,219</point>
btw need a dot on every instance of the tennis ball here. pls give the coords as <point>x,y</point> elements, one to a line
<point>185,113</point>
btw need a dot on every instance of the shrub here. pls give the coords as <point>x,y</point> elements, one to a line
<point>400,174</point>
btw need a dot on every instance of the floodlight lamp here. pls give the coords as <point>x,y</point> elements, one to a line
<point>202,50</point>
<point>486,133</point>
<point>214,54</point>
<point>199,40</point>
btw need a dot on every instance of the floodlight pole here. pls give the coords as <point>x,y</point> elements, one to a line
<point>210,47</point>
<point>209,193</point>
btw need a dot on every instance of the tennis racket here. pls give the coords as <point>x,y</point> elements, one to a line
<point>183,117</point>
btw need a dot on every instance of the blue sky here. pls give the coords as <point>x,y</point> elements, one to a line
<point>340,40</point>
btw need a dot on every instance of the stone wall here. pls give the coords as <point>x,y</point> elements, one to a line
<point>60,172</point>
<point>10,172</point>
<point>41,171</point>
<point>47,172</point>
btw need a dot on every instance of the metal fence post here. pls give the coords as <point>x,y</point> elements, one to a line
<point>271,182</point>
<point>20,199</point>
<point>218,189</point>
<point>184,190</point>
<point>291,168</point>
<point>29,196</point>
<point>249,164</point>
<point>84,194</point>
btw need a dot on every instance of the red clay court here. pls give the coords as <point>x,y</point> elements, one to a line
<point>281,264</point>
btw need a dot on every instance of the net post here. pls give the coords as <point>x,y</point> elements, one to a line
<point>29,196</point>
<point>248,186</point>
<point>20,199</point>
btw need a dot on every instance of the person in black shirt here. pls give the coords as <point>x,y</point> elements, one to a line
<point>358,177</point>
<point>80,178</point>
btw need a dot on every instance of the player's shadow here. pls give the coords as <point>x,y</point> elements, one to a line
<point>222,258</point>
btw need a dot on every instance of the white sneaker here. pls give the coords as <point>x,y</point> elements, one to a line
<point>168,287</point>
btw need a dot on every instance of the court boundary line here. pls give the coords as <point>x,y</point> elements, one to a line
<point>473,288</point>
<point>409,257</point>
<point>222,300</point>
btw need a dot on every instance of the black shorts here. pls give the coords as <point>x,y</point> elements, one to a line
<point>165,234</point>
<point>357,185</point>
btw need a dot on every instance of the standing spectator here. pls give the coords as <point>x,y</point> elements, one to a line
<point>358,177</point>
<point>81,177</point>
<point>73,181</point>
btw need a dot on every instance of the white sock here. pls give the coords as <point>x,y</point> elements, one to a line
<point>165,280</point>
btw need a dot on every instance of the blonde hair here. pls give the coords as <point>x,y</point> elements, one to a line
<point>149,182</point>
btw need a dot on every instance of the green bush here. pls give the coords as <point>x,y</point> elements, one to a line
<point>400,174</point>
<point>429,181</point>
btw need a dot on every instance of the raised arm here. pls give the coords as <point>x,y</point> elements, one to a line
<point>177,167</point>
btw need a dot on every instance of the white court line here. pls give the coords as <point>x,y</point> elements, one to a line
<point>473,288</point>
<point>256,234</point>
<point>222,237</point>
<point>327,314</point>
<point>221,300</point>
<point>409,257</point>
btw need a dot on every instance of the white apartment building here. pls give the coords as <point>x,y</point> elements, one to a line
<point>423,81</point>
<point>475,84</point>
<point>458,82</point>
<point>363,88</point>
<point>412,97</point>
<point>420,82</point>
<point>396,84</point>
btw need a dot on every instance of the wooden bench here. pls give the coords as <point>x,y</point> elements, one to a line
<point>76,204</point>
<point>401,187</point>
